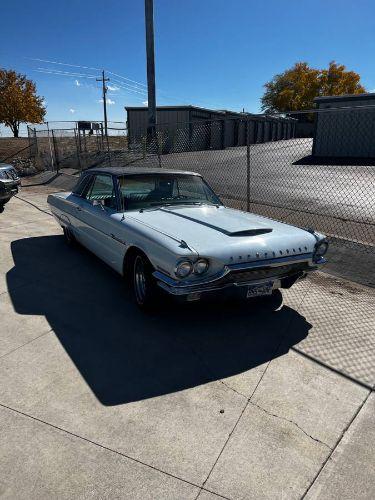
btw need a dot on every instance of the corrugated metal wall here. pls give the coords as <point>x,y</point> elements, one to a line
<point>349,133</point>
<point>194,129</point>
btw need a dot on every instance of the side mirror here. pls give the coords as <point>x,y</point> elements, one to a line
<point>98,203</point>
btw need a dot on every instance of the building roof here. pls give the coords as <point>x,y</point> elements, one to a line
<point>187,108</point>
<point>138,171</point>
<point>182,107</point>
<point>345,97</point>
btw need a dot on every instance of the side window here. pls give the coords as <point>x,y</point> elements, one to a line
<point>102,190</point>
<point>83,182</point>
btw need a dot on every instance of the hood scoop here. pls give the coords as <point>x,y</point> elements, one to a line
<point>251,232</point>
<point>243,232</point>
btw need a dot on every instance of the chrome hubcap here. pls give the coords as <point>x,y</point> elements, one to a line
<point>139,280</point>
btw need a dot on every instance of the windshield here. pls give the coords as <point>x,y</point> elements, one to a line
<point>147,191</point>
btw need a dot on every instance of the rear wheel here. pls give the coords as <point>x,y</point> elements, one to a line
<point>144,288</point>
<point>1,208</point>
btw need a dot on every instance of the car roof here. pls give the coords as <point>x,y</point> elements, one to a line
<point>138,171</point>
<point>6,166</point>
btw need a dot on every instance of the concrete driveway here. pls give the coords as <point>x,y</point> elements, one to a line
<point>219,401</point>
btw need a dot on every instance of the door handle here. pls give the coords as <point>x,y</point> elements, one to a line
<point>79,209</point>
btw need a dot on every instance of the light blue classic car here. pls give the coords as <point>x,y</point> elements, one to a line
<point>167,230</point>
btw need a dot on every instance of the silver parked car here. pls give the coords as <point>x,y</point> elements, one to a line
<point>167,230</point>
<point>9,183</point>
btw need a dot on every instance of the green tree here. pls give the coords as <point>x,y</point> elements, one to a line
<point>296,88</point>
<point>19,102</point>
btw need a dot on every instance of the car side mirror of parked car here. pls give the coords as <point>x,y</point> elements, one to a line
<point>98,203</point>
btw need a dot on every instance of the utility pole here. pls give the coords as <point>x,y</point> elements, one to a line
<point>149,19</point>
<point>104,89</point>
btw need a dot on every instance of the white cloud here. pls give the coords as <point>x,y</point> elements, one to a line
<point>109,101</point>
<point>113,88</point>
<point>145,103</point>
<point>78,83</point>
<point>71,110</point>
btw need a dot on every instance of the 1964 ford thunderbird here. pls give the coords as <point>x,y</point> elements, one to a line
<point>167,230</point>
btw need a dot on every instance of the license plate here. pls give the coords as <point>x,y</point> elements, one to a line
<point>259,290</point>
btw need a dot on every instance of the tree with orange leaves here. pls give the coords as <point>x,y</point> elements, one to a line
<point>296,88</point>
<point>19,102</point>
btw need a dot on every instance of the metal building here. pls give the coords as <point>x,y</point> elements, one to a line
<point>190,128</point>
<point>346,128</point>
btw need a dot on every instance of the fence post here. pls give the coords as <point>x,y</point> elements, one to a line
<point>50,149</point>
<point>77,149</point>
<point>56,151</point>
<point>247,165</point>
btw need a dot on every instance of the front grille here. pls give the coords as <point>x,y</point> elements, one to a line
<point>260,273</point>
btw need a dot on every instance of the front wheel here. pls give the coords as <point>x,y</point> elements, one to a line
<point>143,284</point>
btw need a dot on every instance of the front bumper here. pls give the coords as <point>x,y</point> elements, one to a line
<point>283,273</point>
<point>7,191</point>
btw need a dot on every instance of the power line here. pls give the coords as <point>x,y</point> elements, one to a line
<point>62,64</point>
<point>64,73</point>
<point>124,78</point>
<point>129,85</point>
<point>131,89</point>
<point>81,75</point>
<point>124,85</point>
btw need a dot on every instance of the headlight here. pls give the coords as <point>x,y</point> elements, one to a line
<point>201,266</point>
<point>184,268</point>
<point>321,248</point>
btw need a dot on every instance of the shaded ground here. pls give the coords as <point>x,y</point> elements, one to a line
<point>197,402</point>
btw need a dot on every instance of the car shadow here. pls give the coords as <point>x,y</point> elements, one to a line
<point>125,355</point>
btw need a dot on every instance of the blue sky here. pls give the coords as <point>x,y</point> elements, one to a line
<point>211,53</point>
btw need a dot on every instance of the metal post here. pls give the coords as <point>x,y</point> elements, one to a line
<point>50,149</point>
<point>247,165</point>
<point>149,19</point>
<point>102,140</point>
<point>77,148</point>
<point>55,151</point>
<point>104,92</point>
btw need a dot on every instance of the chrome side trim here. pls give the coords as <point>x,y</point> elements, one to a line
<point>114,237</point>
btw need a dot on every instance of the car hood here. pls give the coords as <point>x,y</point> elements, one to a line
<point>227,234</point>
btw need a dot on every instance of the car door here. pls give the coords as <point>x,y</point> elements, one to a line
<point>97,226</point>
<point>73,207</point>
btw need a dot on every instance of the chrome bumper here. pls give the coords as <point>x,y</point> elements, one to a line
<point>215,283</point>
